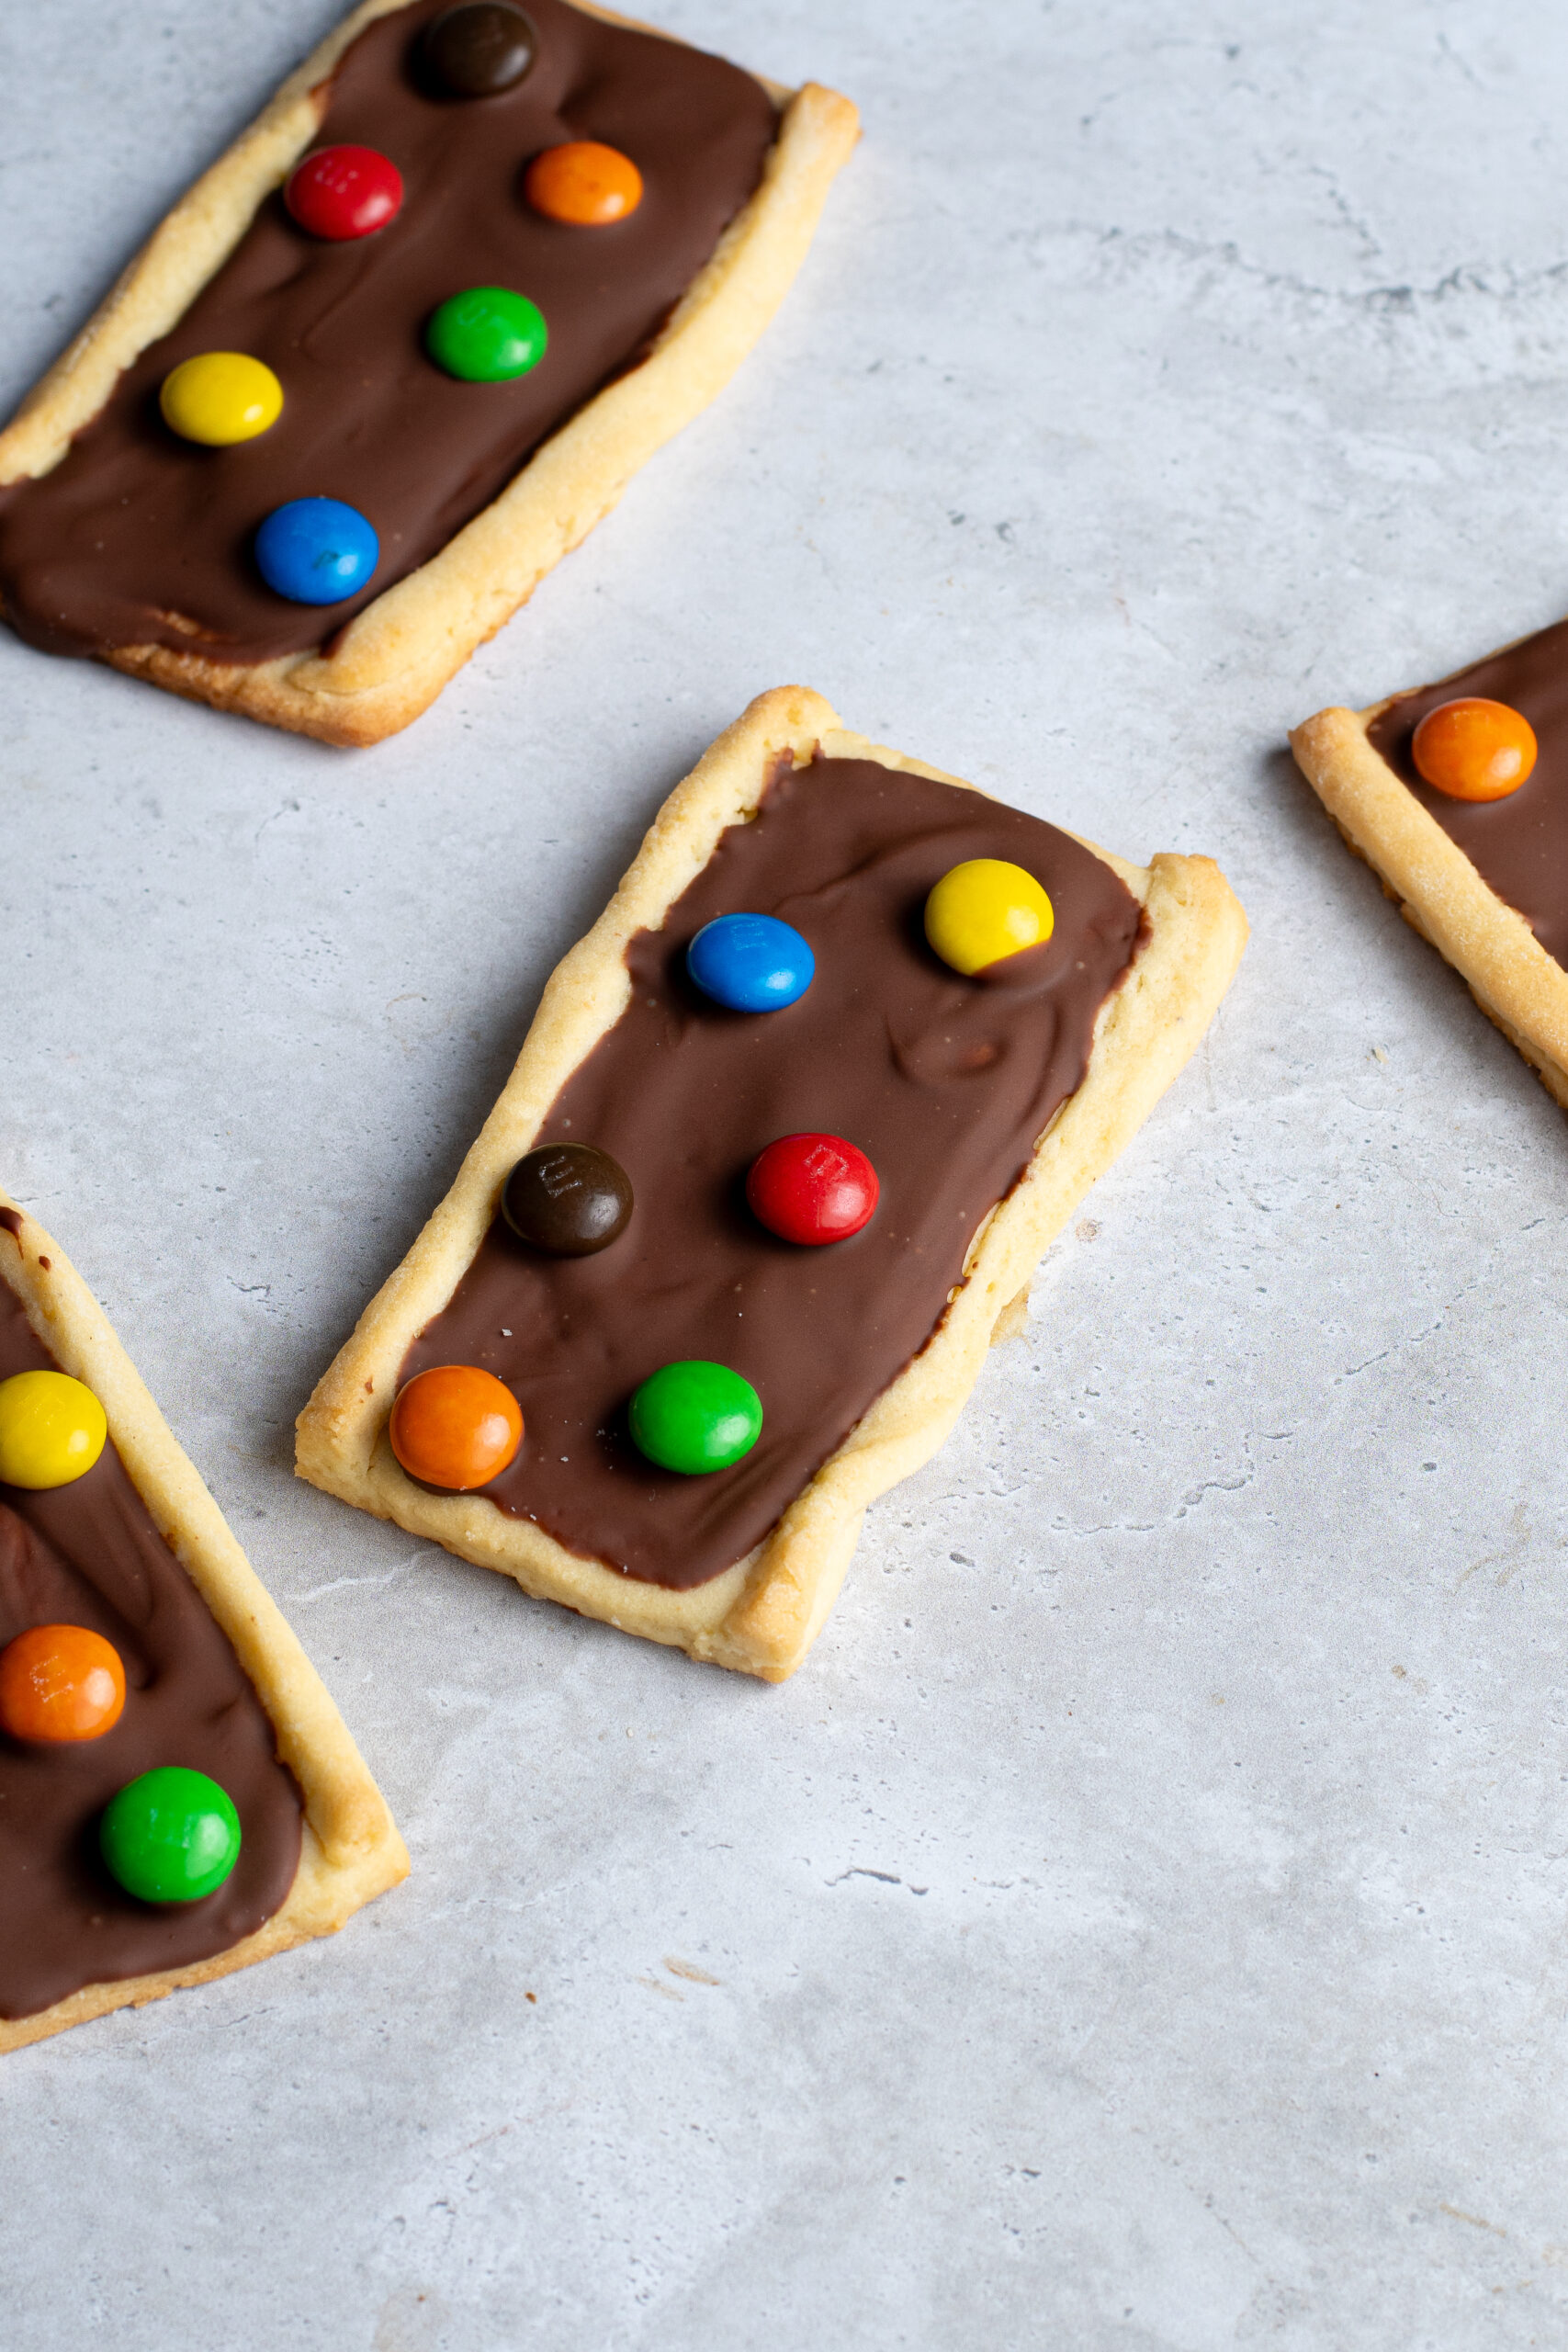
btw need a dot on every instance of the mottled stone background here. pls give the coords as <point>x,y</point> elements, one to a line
<point>1141,1924</point>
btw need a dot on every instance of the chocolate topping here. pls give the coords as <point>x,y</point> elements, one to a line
<point>479,50</point>
<point>945,1085</point>
<point>90,1554</point>
<point>1519,845</point>
<point>567,1199</point>
<point>137,537</point>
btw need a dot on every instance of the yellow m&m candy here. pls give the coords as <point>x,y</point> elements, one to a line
<point>52,1429</point>
<point>220,397</point>
<point>985,910</point>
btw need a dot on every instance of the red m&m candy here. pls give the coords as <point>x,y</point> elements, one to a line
<point>812,1189</point>
<point>340,193</point>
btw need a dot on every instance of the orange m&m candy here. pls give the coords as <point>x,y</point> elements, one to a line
<point>584,184</point>
<point>60,1683</point>
<point>1473,750</point>
<point>455,1426</point>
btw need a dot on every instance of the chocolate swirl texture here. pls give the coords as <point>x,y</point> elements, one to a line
<point>137,537</point>
<point>90,1553</point>
<point>946,1085</point>
<point>1518,845</point>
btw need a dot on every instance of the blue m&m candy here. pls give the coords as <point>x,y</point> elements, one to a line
<point>316,550</point>
<point>751,963</point>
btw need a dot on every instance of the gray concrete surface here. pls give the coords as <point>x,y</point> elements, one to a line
<point>1141,1924</point>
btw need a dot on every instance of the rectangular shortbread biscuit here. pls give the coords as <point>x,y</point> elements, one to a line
<point>1428,852</point>
<point>761,1614</point>
<point>350,1850</point>
<point>356,683</point>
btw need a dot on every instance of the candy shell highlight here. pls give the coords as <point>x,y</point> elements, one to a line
<point>52,1429</point>
<point>488,335</point>
<point>584,184</point>
<point>812,1189</point>
<point>60,1684</point>
<point>456,1426</point>
<point>316,550</point>
<point>751,963</point>
<point>985,910</point>
<point>1471,749</point>
<point>220,398</point>
<point>696,1418</point>
<point>171,1835</point>
<point>345,192</point>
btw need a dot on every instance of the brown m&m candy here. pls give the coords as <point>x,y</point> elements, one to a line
<point>568,1199</point>
<point>481,49</point>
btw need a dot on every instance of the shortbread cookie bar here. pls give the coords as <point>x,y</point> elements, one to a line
<point>1477,860</point>
<point>400,350</point>
<point>178,1794</point>
<point>843,1153</point>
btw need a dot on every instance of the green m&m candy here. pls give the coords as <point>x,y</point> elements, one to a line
<point>487,335</point>
<point>171,1837</point>
<point>696,1417</point>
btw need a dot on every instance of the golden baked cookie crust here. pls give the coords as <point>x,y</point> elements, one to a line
<point>351,1849</point>
<point>762,1616</point>
<point>395,657</point>
<point>1437,888</point>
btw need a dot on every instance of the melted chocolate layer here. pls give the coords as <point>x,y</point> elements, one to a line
<point>90,1554</point>
<point>137,537</point>
<point>945,1085</point>
<point>1519,846</point>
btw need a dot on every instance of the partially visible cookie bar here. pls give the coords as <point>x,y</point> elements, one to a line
<point>1456,795</point>
<point>400,350</point>
<point>178,1794</point>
